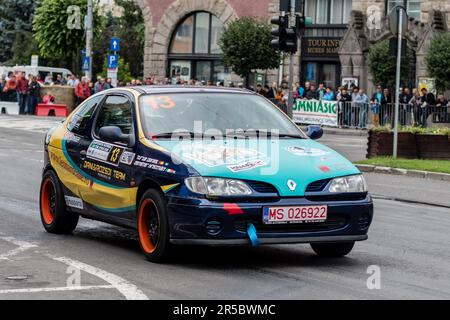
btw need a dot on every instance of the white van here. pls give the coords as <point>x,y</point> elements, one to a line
<point>42,71</point>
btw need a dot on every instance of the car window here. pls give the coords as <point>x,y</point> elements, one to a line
<point>116,111</point>
<point>83,114</point>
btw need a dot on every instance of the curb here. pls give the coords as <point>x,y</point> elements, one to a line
<point>346,132</point>
<point>365,168</point>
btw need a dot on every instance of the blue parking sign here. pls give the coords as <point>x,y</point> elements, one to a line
<point>113,61</point>
<point>114,45</point>
<point>86,63</point>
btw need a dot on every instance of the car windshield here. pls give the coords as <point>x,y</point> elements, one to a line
<point>215,114</point>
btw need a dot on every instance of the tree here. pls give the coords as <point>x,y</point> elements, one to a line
<point>59,32</point>
<point>16,18</point>
<point>438,60</point>
<point>129,27</point>
<point>246,47</point>
<point>383,65</point>
<point>124,73</point>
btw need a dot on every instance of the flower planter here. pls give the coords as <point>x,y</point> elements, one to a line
<point>382,144</point>
<point>433,146</point>
<point>410,145</point>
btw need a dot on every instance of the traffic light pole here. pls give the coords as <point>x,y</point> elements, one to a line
<point>290,108</point>
<point>397,83</point>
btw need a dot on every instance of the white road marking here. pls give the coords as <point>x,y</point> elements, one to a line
<point>22,247</point>
<point>37,290</point>
<point>127,289</point>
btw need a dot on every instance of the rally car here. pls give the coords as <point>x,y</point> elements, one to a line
<point>200,166</point>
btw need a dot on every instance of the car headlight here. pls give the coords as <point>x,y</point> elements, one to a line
<point>355,183</point>
<point>218,187</point>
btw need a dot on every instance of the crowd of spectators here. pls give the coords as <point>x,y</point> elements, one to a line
<point>354,106</point>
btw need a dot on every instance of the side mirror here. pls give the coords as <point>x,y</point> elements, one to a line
<point>314,132</point>
<point>114,134</point>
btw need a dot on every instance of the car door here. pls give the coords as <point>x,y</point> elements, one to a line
<point>75,144</point>
<point>110,164</point>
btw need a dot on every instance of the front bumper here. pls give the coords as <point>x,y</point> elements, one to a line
<point>204,222</point>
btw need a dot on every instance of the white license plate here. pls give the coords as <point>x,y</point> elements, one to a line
<point>296,214</point>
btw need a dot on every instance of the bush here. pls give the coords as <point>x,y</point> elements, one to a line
<point>383,65</point>
<point>438,60</point>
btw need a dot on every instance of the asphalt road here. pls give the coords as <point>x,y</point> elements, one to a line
<point>407,242</point>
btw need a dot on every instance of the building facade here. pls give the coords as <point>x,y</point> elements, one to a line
<point>182,36</point>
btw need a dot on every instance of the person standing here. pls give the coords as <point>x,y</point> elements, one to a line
<point>329,95</point>
<point>34,90</point>
<point>101,86</point>
<point>22,92</point>
<point>321,91</point>
<point>82,91</point>
<point>362,106</point>
<point>10,88</point>
<point>345,107</point>
<point>427,100</point>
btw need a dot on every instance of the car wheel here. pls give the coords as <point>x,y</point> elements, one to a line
<point>54,214</point>
<point>333,250</point>
<point>153,227</point>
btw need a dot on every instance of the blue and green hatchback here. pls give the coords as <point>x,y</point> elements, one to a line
<point>200,166</point>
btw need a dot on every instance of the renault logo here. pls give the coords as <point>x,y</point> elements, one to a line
<point>292,185</point>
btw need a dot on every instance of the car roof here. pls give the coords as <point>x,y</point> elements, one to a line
<point>187,89</point>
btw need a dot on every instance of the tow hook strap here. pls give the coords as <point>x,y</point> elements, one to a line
<point>252,235</point>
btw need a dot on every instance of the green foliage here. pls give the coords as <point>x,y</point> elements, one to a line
<point>59,32</point>
<point>130,28</point>
<point>16,18</point>
<point>438,60</point>
<point>124,73</point>
<point>383,65</point>
<point>246,46</point>
<point>414,130</point>
<point>441,166</point>
<point>23,48</point>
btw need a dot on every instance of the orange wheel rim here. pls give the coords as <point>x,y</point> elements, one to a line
<point>48,201</point>
<point>148,226</point>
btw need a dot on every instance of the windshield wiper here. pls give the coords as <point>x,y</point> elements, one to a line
<point>176,134</point>
<point>268,134</point>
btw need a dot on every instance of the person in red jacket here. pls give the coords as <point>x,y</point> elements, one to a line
<point>82,91</point>
<point>22,92</point>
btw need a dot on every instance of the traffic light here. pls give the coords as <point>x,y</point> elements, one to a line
<point>281,23</point>
<point>301,22</point>
<point>284,38</point>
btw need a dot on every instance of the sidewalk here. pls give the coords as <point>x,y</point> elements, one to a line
<point>410,189</point>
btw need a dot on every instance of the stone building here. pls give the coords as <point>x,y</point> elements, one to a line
<point>182,36</point>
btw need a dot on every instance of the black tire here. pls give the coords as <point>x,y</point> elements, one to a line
<point>333,250</point>
<point>53,210</point>
<point>153,227</point>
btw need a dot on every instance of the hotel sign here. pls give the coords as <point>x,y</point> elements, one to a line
<point>320,47</point>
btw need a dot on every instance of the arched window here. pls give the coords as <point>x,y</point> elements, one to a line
<point>194,51</point>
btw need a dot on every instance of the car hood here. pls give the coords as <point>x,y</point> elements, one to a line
<point>277,162</point>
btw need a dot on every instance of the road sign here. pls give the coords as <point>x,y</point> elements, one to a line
<point>394,18</point>
<point>112,74</point>
<point>86,63</point>
<point>114,45</point>
<point>34,60</point>
<point>113,61</point>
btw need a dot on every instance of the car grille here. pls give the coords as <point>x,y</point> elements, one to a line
<point>331,224</point>
<point>262,187</point>
<point>317,186</point>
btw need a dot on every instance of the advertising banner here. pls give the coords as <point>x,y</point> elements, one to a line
<point>316,112</point>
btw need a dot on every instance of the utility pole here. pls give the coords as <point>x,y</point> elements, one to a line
<point>290,109</point>
<point>89,36</point>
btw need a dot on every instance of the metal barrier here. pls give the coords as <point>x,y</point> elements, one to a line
<point>367,115</point>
